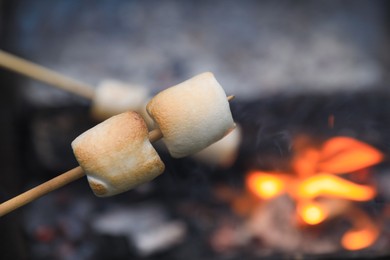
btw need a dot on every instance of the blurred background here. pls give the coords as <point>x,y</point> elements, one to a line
<point>303,72</point>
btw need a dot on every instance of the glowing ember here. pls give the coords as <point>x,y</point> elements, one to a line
<point>312,213</point>
<point>265,186</point>
<point>314,177</point>
<point>363,233</point>
<point>359,239</point>
<point>331,121</point>
<point>344,154</point>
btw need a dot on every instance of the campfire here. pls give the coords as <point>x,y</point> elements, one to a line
<point>325,181</point>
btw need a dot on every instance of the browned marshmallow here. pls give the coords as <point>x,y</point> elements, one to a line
<point>114,97</point>
<point>192,115</point>
<point>116,154</point>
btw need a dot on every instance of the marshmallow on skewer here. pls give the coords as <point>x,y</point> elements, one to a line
<point>222,153</point>
<point>117,155</point>
<point>192,115</point>
<point>113,97</point>
<point>110,98</point>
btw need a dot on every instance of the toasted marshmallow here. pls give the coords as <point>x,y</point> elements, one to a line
<point>192,115</point>
<point>116,154</point>
<point>114,97</point>
<point>222,153</point>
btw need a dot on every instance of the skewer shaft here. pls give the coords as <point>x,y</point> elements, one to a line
<point>45,75</point>
<point>41,190</point>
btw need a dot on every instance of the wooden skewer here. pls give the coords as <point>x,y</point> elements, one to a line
<point>45,75</point>
<point>59,181</point>
<point>40,190</point>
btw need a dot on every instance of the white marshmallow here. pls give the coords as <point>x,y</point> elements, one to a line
<point>117,155</point>
<point>222,153</point>
<point>114,97</point>
<point>192,115</point>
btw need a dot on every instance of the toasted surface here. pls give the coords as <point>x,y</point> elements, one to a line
<point>192,115</point>
<point>117,155</point>
<point>114,97</point>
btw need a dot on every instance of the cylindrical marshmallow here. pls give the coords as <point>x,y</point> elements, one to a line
<point>222,153</point>
<point>114,97</point>
<point>192,115</point>
<point>117,155</point>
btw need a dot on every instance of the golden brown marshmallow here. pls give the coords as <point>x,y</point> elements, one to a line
<point>116,154</point>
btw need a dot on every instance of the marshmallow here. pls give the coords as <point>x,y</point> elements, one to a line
<point>113,97</point>
<point>116,155</point>
<point>222,153</point>
<point>192,115</point>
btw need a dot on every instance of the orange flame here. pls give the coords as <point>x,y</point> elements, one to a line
<point>319,193</point>
<point>305,162</point>
<point>345,154</point>
<point>333,186</point>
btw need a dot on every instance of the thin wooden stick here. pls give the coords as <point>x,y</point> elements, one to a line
<point>40,190</point>
<point>45,75</point>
